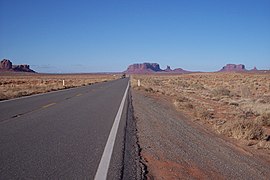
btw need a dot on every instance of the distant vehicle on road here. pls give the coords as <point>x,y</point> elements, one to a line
<point>123,76</point>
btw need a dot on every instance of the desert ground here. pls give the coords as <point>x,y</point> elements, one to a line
<point>234,107</point>
<point>189,126</point>
<point>14,85</point>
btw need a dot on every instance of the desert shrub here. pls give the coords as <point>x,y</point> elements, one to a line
<point>245,91</point>
<point>183,84</point>
<point>256,107</point>
<point>243,129</point>
<point>176,103</point>
<point>197,86</point>
<point>264,119</point>
<point>188,105</point>
<point>181,102</point>
<point>22,93</point>
<point>225,100</point>
<point>264,99</point>
<point>233,103</point>
<point>183,105</point>
<point>149,89</point>
<point>221,91</point>
<point>206,114</point>
<point>247,113</point>
<point>181,99</point>
<point>263,145</point>
<point>3,96</point>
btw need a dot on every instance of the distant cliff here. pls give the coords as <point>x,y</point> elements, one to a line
<point>148,68</point>
<point>143,68</point>
<point>233,68</point>
<point>6,65</point>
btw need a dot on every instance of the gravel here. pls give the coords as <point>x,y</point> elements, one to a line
<point>174,147</point>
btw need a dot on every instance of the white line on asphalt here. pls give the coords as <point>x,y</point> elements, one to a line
<point>104,163</point>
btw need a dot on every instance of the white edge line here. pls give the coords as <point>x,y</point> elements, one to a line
<point>104,163</point>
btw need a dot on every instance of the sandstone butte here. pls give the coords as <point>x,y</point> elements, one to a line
<point>6,65</point>
<point>149,68</point>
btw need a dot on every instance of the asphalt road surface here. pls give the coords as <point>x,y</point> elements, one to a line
<point>62,135</point>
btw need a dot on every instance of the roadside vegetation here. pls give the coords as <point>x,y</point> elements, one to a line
<point>234,104</point>
<point>14,85</point>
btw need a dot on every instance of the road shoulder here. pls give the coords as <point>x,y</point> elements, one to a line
<point>174,147</point>
<point>133,167</point>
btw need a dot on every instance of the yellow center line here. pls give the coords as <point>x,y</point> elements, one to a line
<point>78,94</point>
<point>48,105</point>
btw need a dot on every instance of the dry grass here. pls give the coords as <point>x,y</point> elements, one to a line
<point>14,85</point>
<point>235,104</point>
<point>243,129</point>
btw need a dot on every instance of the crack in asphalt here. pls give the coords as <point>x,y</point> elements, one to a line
<point>134,166</point>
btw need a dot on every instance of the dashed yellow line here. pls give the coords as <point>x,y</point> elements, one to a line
<point>78,94</point>
<point>48,105</point>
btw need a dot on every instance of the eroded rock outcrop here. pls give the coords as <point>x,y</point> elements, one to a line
<point>254,69</point>
<point>143,68</point>
<point>22,68</point>
<point>6,65</point>
<point>233,68</point>
<point>168,69</point>
<point>181,71</point>
<point>147,68</point>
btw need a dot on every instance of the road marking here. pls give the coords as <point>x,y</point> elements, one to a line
<point>104,163</point>
<point>48,105</point>
<point>78,94</point>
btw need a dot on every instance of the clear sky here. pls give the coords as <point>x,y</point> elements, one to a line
<point>105,36</point>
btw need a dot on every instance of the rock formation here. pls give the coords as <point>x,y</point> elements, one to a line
<point>254,69</point>
<point>147,68</point>
<point>22,67</point>
<point>177,70</point>
<point>6,65</point>
<point>143,68</point>
<point>168,69</point>
<point>181,71</point>
<point>233,68</point>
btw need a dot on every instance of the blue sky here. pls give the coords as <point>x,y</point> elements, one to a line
<point>105,36</point>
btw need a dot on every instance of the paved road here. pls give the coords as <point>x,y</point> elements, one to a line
<point>62,135</point>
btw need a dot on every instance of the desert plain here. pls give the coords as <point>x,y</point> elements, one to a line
<point>180,117</point>
<point>17,84</point>
<point>235,104</point>
<point>193,125</point>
